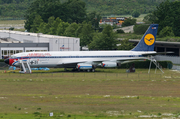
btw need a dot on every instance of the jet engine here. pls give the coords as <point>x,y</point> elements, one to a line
<point>84,66</point>
<point>110,64</point>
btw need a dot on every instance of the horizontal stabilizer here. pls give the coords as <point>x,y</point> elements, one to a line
<point>157,53</point>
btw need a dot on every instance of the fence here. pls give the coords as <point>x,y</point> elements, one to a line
<point>88,76</point>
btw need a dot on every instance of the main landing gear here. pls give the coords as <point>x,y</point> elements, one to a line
<point>90,70</point>
<point>80,70</point>
<point>83,70</point>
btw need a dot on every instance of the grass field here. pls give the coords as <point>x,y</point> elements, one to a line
<point>12,23</point>
<point>108,93</point>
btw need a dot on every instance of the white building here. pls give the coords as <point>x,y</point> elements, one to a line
<point>12,42</point>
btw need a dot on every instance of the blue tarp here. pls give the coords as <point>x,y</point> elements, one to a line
<point>41,68</point>
<point>12,68</point>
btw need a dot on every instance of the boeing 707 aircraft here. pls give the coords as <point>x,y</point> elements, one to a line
<point>88,60</point>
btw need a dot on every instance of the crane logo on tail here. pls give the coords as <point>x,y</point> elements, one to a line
<point>149,39</point>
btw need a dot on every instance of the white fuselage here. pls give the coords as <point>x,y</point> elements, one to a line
<point>72,58</point>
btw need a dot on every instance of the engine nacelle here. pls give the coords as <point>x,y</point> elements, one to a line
<point>84,66</point>
<point>110,64</point>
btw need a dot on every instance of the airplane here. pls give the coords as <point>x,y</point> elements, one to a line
<point>88,60</point>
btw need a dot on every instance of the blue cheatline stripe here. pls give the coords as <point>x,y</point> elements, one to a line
<point>80,56</point>
<point>15,62</point>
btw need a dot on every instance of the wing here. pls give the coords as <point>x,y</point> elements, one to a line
<point>73,62</point>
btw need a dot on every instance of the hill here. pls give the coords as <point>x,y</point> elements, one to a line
<point>121,7</point>
<point>16,8</point>
<point>13,9</point>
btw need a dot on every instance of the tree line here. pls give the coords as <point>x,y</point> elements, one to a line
<point>69,19</point>
<point>105,40</point>
<point>17,8</point>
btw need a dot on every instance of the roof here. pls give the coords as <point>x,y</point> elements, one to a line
<point>160,43</point>
<point>32,34</point>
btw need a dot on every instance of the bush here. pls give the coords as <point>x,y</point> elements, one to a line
<point>120,31</point>
<point>135,14</point>
<point>129,22</point>
<point>145,64</point>
<point>1,60</point>
<point>11,28</point>
<point>140,29</point>
<point>37,113</point>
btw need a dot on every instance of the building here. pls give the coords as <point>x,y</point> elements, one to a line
<point>163,46</point>
<point>12,42</point>
<point>112,20</point>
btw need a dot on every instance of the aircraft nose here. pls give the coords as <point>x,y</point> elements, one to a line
<point>6,61</point>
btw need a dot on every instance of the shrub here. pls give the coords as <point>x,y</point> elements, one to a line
<point>145,64</point>
<point>120,31</point>
<point>69,115</point>
<point>11,28</point>
<point>37,113</point>
<point>129,22</point>
<point>159,114</point>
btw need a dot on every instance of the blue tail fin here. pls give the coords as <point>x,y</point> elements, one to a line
<point>148,40</point>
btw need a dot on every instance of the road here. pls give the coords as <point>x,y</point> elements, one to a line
<point>128,29</point>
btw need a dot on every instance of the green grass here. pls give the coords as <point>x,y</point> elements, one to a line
<point>107,93</point>
<point>129,36</point>
<point>13,22</point>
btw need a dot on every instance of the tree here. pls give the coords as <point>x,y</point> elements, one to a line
<point>105,40</point>
<point>140,29</point>
<point>97,43</point>
<point>71,30</point>
<point>53,27</point>
<point>94,18</point>
<point>85,33</point>
<point>43,28</point>
<point>36,22</point>
<point>167,15</point>
<point>76,11</point>
<point>61,28</point>
<point>71,11</point>
<point>29,21</point>
<point>125,45</point>
<point>166,31</point>
<point>149,18</point>
<point>53,23</point>
<point>135,14</point>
